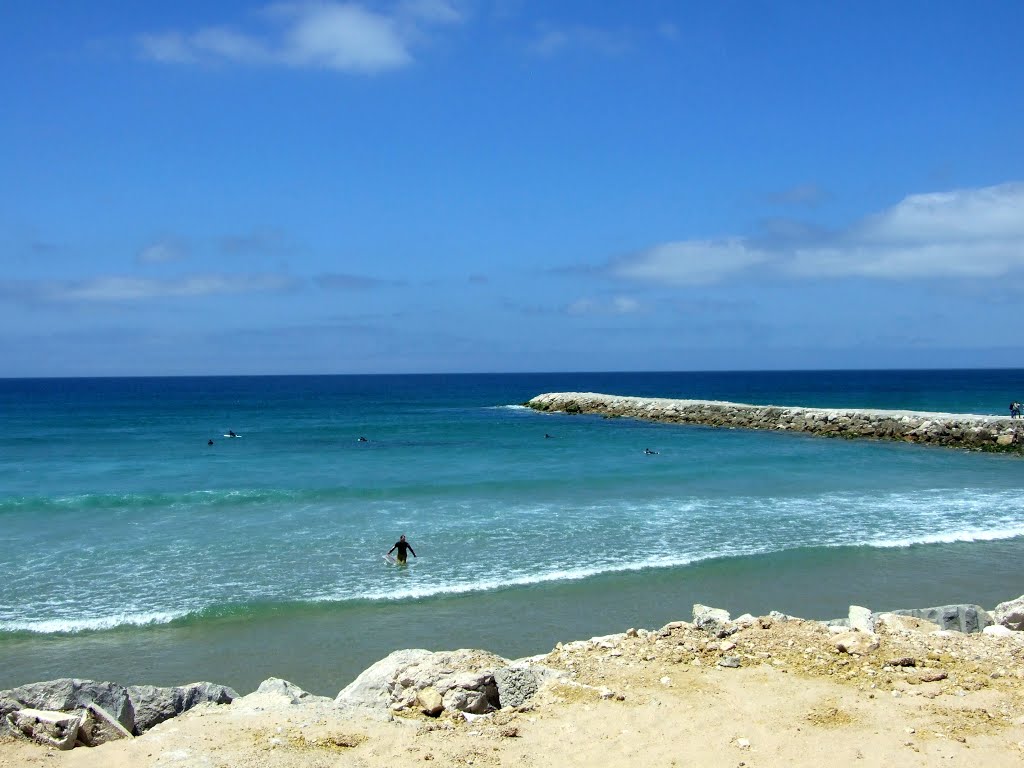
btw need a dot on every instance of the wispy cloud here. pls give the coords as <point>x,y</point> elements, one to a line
<point>616,305</point>
<point>961,233</point>
<point>345,37</point>
<point>336,281</point>
<point>117,288</point>
<point>257,242</point>
<point>689,262</point>
<point>161,252</point>
<point>549,40</point>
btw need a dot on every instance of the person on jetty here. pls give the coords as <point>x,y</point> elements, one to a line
<point>402,546</point>
<point>1015,410</point>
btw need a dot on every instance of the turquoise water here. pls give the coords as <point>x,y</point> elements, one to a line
<point>133,551</point>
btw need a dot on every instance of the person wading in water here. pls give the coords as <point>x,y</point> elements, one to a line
<point>402,546</point>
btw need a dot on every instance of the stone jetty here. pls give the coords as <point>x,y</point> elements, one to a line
<point>954,430</point>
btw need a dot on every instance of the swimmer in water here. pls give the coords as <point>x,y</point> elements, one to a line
<point>402,546</point>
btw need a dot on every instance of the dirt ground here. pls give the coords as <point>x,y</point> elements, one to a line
<point>668,697</point>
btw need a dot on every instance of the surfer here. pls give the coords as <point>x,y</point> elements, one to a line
<point>361,440</point>
<point>231,433</point>
<point>649,452</point>
<point>210,441</point>
<point>402,546</point>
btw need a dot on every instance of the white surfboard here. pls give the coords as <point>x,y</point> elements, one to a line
<point>389,559</point>
<point>232,435</point>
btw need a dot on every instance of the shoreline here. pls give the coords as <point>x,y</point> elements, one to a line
<point>968,431</point>
<point>325,648</point>
<point>771,691</point>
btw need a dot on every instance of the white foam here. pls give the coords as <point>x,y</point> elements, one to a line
<point>525,580</point>
<point>950,537</point>
<point>50,626</point>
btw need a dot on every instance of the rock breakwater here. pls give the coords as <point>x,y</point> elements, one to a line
<point>952,430</point>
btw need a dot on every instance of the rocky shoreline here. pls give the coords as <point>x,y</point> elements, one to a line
<point>968,431</point>
<point>920,652</point>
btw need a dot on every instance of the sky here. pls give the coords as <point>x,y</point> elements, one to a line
<point>430,186</point>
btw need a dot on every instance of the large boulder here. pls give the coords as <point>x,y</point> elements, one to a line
<point>464,680</point>
<point>1010,614</point>
<point>153,705</point>
<point>68,695</point>
<point>374,686</point>
<point>959,618</point>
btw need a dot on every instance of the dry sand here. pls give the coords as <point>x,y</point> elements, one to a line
<point>654,699</point>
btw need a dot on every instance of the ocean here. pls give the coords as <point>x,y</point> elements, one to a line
<point>134,551</point>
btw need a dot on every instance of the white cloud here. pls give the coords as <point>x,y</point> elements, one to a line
<point>963,214</point>
<point>689,262</point>
<point>123,288</point>
<point>345,37</point>
<point>962,233</point>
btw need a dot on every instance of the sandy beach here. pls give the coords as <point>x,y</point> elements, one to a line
<point>776,692</point>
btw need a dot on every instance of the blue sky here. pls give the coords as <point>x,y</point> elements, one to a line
<point>508,185</point>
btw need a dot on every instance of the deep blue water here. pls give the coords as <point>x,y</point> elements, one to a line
<point>121,525</point>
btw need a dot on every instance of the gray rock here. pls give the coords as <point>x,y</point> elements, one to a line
<point>153,705</point>
<point>516,685</point>
<point>959,618</point>
<point>97,727</point>
<point>67,695</point>
<point>1010,614</point>
<point>731,662</point>
<point>7,705</point>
